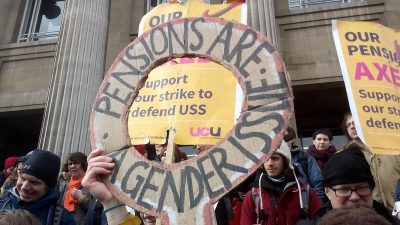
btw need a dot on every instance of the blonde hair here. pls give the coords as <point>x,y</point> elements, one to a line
<point>17,217</point>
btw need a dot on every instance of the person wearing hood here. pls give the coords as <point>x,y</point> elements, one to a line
<point>36,190</point>
<point>276,198</point>
<point>322,148</point>
<point>349,183</point>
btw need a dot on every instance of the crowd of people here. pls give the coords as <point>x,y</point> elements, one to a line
<point>321,185</point>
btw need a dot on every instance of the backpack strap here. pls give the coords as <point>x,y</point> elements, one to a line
<point>50,214</point>
<point>305,197</point>
<point>256,198</point>
<point>255,194</point>
<point>58,212</point>
<point>228,206</point>
<point>55,214</point>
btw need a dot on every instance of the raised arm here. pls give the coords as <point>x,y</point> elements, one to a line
<point>99,169</point>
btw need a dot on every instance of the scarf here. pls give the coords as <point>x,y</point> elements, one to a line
<point>322,156</point>
<point>69,201</point>
<point>274,185</point>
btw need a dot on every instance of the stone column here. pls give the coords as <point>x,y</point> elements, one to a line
<point>261,17</point>
<point>77,74</point>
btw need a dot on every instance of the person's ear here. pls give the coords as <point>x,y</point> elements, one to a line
<point>328,193</point>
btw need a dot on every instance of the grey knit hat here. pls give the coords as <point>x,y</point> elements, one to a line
<point>284,150</point>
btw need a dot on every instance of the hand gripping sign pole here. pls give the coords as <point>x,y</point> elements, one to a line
<point>185,192</point>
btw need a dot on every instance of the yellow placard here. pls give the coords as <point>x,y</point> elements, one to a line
<point>370,67</point>
<point>199,106</point>
<point>230,10</point>
<point>197,120</point>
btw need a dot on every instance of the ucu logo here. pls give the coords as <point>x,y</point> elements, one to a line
<point>205,131</point>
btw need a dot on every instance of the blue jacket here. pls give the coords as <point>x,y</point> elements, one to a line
<point>308,172</point>
<point>43,208</point>
<point>95,214</point>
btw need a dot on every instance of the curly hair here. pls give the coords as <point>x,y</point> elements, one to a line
<point>79,157</point>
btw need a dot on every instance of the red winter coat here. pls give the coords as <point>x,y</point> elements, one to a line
<point>286,210</point>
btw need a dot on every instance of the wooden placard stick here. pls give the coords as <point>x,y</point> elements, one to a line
<point>170,156</point>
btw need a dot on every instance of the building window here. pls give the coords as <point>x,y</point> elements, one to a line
<point>41,20</point>
<point>296,4</point>
<point>153,3</point>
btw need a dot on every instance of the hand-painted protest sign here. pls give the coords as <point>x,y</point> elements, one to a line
<point>184,192</point>
<point>185,95</point>
<point>370,67</point>
<point>199,119</point>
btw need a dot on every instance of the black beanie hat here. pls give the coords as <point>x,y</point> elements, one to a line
<point>23,159</point>
<point>346,167</point>
<point>44,165</point>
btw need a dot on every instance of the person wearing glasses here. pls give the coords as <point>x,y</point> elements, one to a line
<point>75,198</point>
<point>384,168</point>
<point>348,182</point>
